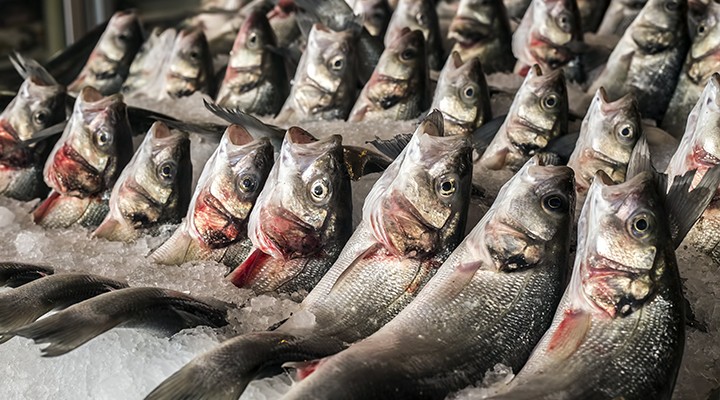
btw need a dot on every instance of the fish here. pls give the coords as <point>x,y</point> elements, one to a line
<point>14,274</point>
<point>165,310</point>
<point>149,61</point>
<point>592,13</point>
<point>548,36</point>
<point>255,81</point>
<point>375,15</point>
<point>189,68</point>
<point>623,309</point>
<point>702,61</point>
<point>86,161</point>
<point>283,21</point>
<point>31,301</point>
<point>619,15</point>
<point>39,104</point>
<point>538,115</point>
<point>399,87</point>
<point>502,283</point>
<point>482,30</point>
<point>462,95</point>
<point>413,218</point>
<point>418,15</point>
<point>109,62</point>
<point>516,8</point>
<point>301,219</point>
<point>215,227</point>
<point>153,189</point>
<point>648,59</point>
<point>700,150</point>
<point>324,84</point>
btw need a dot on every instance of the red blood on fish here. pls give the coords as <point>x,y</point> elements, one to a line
<point>245,272</point>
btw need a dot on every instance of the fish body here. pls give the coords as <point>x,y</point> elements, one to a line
<point>301,220</point>
<point>153,189</point>
<point>399,86</point>
<point>648,59</point>
<point>324,84</point>
<point>14,274</point>
<point>109,62</point>
<point>255,81</point>
<point>215,227</point>
<point>412,219</point>
<point>482,30</point>
<point>86,161</point>
<point>462,96</point>
<point>418,15</point>
<point>619,15</point>
<point>502,284</point>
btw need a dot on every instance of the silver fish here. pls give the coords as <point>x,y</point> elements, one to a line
<point>189,67</point>
<point>418,15</point>
<point>150,60</point>
<point>619,15</point>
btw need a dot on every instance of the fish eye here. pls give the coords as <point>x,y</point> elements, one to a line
<point>701,29</point>
<point>124,36</point>
<point>194,55</point>
<point>167,170</point>
<point>671,5</point>
<point>247,183</point>
<point>641,226</point>
<point>337,63</point>
<point>421,19</point>
<point>469,92</point>
<point>408,54</point>
<point>564,22</point>
<point>252,42</point>
<point>446,185</point>
<point>103,139</point>
<point>550,101</point>
<point>40,117</point>
<point>626,132</point>
<point>319,190</point>
<point>555,203</point>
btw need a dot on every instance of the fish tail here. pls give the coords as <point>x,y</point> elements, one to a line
<point>175,250</point>
<point>14,315</point>
<point>64,331</point>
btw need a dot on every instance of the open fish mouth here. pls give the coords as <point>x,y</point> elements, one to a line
<point>405,230</point>
<point>68,170</point>
<point>217,227</point>
<point>287,234</point>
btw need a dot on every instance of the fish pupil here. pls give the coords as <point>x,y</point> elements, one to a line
<point>248,184</point>
<point>641,224</point>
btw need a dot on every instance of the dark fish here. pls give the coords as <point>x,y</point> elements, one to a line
<point>14,274</point>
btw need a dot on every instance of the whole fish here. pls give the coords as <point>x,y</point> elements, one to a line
<point>516,8</point>
<point>153,189</point>
<point>109,63</point>
<point>592,13</point>
<point>255,79</point>
<point>412,220</point>
<point>619,15</point>
<point>165,310</point>
<point>702,61</point>
<point>648,59</point>
<point>482,29</point>
<point>623,309</point>
<point>86,161</point>
<point>215,227</point>
<point>14,274</point>
<point>490,302</point>
<point>462,96</point>
<point>301,220</point>
<point>700,150</point>
<point>39,104</point>
<point>29,302</point>
<point>375,15</point>
<point>324,84</point>
<point>418,15</point>
<point>547,36</point>
<point>538,114</point>
<point>189,68</point>
<point>399,87</point>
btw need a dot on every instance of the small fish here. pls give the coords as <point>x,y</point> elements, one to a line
<point>39,104</point>
<point>215,227</point>
<point>255,81</point>
<point>592,13</point>
<point>14,274</point>
<point>619,15</point>
<point>482,29</point>
<point>301,220</point>
<point>648,59</point>
<point>153,189</point>
<point>462,96</point>
<point>375,15</point>
<point>516,8</point>
<point>165,310</point>
<point>109,63</point>
<point>86,161</point>
<point>418,15</point>
<point>490,302</point>
<point>29,302</point>
<point>412,220</point>
<point>702,61</point>
<point>324,84</point>
<point>547,35</point>
<point>399,87</point>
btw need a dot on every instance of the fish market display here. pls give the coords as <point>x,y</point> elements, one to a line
<point>153,189</point>
<point>418,15</point>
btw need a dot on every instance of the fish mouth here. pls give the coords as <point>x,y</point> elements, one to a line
<point>216,226</point>
<point>603,282</point>
<point>414,236</point>
<point>287,234</point>
<point>68,170</point>
<point>466,31</point>
<point>704,158</point>
<point>14,153</point>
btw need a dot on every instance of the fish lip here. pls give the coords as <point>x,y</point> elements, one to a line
<point>132,185</point>
<point>211,201</point>
<point>71,154</point>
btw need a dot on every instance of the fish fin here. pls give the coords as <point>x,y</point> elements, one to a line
<point>29,68</point>
<point>563,146</point>
<point>173,251</point>
<point>13,316</point>
<point>205,129</point>
<point>361,161</point>
<point>343,275</point>
<point>392,147</point>
<point>44,207</point>
<point>246,120</point>
<point>299,370</point>
<point>639,159</point>
<point>241,275</point>
<point>189,383</point>
<point>570,334</point>
<point>685,206</point>
<point>483,135</point>
<point>113,230</point>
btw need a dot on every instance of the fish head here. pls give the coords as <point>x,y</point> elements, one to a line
<point>251,43</point>
<point>306,203</point>
<point>413,14</point>
<point>404,58</point>
<point>532,215</point>
<point>418,207</point>
<point>622,233</point>
<point>190,64</point>
<point>122,37</point>
<point>665,15</point>
<point>375,15</point>
<point>95,145</point>
<point>477,20</point>
<point>39,104</point>
<point>558,21</point>
<point>607,138</point>
<point>229,187</point>
<point>330,55</point>
<point>462,95</point>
